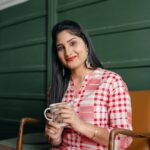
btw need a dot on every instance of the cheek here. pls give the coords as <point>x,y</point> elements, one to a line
<point>81,50</point>
<point>83,53</point>
<point>61,57</point>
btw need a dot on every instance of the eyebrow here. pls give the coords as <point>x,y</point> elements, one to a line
<point>67,41</point>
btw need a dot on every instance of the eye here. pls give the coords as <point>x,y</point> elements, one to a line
<point>60,48</point>
<point>73,43</point>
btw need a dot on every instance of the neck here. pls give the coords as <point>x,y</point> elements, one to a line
<point>80,73</point>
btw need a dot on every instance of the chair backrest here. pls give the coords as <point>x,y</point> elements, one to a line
<point>141,118</point>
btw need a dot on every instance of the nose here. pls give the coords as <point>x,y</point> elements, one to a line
<point>67,51</point>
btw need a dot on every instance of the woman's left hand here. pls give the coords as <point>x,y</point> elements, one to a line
<point>69,116</point>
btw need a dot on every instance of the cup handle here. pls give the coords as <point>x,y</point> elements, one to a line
<point>45,112</point>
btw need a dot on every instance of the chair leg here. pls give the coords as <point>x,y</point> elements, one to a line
<point>21,130</point>
<point>111,141</point>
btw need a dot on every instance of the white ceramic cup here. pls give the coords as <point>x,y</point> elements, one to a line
<point>51,113</point>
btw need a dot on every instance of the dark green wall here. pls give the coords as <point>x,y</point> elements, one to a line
<point>23,64</point>
<point>119,30</point>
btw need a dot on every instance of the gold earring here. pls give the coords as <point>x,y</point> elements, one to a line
<point>87,63</point>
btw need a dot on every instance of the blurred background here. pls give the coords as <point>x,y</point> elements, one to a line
<point>120,31</point>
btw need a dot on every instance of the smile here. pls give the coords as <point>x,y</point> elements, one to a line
<point>71,58</point>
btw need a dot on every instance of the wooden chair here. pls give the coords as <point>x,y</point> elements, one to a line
<point>141,123</point>
<point>21,130</point>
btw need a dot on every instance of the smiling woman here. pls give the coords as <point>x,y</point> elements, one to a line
<point>100,98</point>
<point>72,51</point>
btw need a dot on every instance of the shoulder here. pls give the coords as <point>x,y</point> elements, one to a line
<point>111,79</point>
<point>107,74</point>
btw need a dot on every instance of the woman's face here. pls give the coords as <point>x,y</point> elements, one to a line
<point>71,50</point>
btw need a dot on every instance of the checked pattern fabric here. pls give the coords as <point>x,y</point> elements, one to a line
<point>103,101</point>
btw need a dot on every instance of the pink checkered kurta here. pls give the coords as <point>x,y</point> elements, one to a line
<point>103,100</point>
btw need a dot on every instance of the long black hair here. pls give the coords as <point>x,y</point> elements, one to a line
<point>60,74</point>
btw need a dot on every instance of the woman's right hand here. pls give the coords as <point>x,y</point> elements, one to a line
<point>53,131</point>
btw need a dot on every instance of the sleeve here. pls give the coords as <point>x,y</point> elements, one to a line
<point>120,113</point>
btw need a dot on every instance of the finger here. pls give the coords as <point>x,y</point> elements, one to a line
<point>65,115</point>
<point>67,121</point>
<point>49,115</point>
<point>53,124</point>
<point>49,131</point>
<point>65,106</point>
<point>66,110</point>
<point>50,128</point>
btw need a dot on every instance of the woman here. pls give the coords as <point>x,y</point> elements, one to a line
<point>100,97</point>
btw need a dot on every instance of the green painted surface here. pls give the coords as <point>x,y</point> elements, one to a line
<point>17,108</point>
<point>34,55</point>
<point>124,49</point>
<point>29,30</point>
<point>23,66</point>
<point>21,11</point>
<point>29,82</point>
<point>108,13</point>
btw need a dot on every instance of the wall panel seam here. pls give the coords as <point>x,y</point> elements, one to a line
<point>26,18</point>
<point>12,121</point>
<point>145,62</point>
<point>77,4</point>
<point>35,68</point>
<point>111,29</point>
<point>35,41</point>
<point>27,96</point>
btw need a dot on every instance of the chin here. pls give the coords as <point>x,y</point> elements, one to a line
<point>73,66</point>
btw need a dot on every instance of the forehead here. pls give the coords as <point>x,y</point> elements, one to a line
<point>66,35</point>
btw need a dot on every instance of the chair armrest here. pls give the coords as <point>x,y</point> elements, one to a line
<point>21,130</point>
<point>115,132</point>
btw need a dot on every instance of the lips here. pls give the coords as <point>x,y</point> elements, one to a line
<point>71,58</point>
